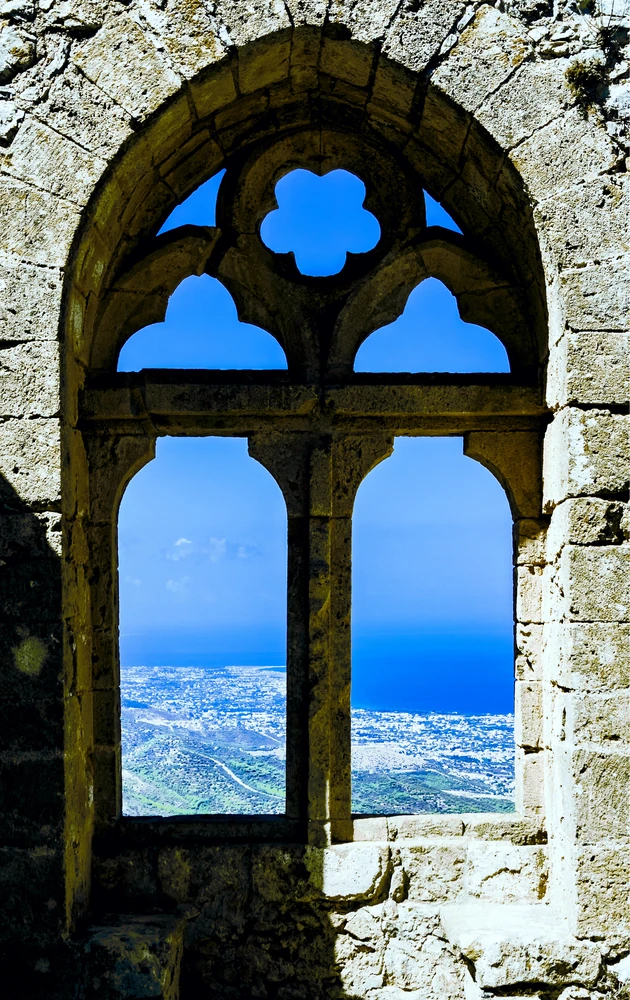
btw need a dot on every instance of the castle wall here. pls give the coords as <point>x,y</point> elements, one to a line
<point>111,113</point>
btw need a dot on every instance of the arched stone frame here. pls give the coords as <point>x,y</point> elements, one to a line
<point>320,324</point>
<point>581,224</point>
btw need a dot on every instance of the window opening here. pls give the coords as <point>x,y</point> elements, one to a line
<point>437,215</point>
<point>199,208</point>
<point>320,220</point>
<point>201,330</point>
<point>202,551</point>
<point>432,613</point>
<point>430,336</point>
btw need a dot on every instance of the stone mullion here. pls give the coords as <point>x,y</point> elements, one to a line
<point>112,461</point>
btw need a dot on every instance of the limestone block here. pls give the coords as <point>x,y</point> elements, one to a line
<point>588,656</point>
<point>486,54</point>
<point>263,63</point>
<point>601,788</point>
<point>528,714</point>
<point>245,20</point>
<point>30,462</point>
<point>311,12</point>
<point>598,297</point>
<point>530,99</point>
<point>529,793</point>
<point>417,957</point>
<point>30,380</point>
<point>592,584</point>
<point>348,871</point>
<point>589,222</point>
<point>359,954</point>
<point>584,521</point>
<point>585,453</point>
<point>30,300</point>
<point>32,894</point>
<point>512,945</point>
<point>370,828</point>
<point>602,893</point>
<point>529,581</point>
<point>75,108</point>
<point>516,829</point>
<point>139,956</point>
<point>566,152</point>
<point>187,33</point>
<point>416,827</point>
<point>17,51</point>
<point>529,537</point>
<point>346,60</point>
<point>35,225</point>
<point>213,90</point>
<point>123,61</point>
<point>394,88</point>
<point>589,368</point>
<point>601,718</point>
<point>504,873</point>
<point>434,869</point>
<point>45,159</point>
<point>529,645</point>
<point>416,36</point>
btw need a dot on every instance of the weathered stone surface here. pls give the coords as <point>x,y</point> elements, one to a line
<point>571,140</point>
<point>434,869</point>
<point>586,223</point>
<point>534,97</point>
<point>586,521</point>
<point>416,36</point>
<point>125,63</point>
<point>591,584</point>
<point>45,159</point>
<point>349,872</point>
<point>590,368</point>
<point>588,656</point>
<point>598,297</point>
<point>17,51</point>
<point>586,453</point>
<point>485,56</point>
<point>510,945</point>
<point>30,462</point>
<point>139,957</point>
<point>504,873</point>
<point>35,226</point>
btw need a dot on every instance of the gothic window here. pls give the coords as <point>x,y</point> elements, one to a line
<point>321,425</point>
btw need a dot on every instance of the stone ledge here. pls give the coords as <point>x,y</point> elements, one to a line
<point>513,827</point>
<point>520,945</point>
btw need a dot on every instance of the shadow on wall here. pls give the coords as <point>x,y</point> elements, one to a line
<point>288,922</point>
<point>32,780</point>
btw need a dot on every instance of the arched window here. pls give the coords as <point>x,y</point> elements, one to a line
<point>432,635</point>
<point>321,425</point>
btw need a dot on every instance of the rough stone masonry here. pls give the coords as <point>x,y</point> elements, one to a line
<point>516,117</point>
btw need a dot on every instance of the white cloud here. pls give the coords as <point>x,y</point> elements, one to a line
<point>178,586</point>
<point>184,548</point>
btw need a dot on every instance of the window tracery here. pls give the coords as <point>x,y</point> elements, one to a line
<point>319,427</point>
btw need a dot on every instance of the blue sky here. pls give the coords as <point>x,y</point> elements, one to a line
<point>202,529</point>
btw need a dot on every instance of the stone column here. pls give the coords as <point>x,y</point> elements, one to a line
<point>319,477</point>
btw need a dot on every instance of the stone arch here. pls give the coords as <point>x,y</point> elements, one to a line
<point>272,99</point>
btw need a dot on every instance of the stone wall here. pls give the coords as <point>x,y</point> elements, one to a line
<point>514,116</point>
